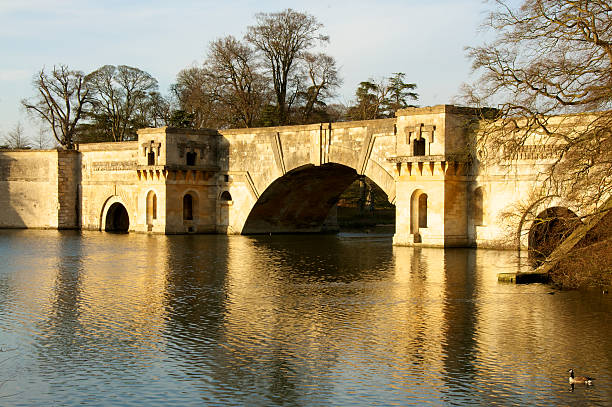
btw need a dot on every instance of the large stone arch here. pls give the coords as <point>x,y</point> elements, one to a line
<point>114,215</point>
<point>261,162</point>
<point>301,200</point>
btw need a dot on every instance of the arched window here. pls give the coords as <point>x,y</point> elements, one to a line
<point>151,207</point>
<point>418,213</point>
<point>226,196</point>
<point>151,158</point>
<point>478,207</point>
<point>423,211</point>
<point>188,207</point>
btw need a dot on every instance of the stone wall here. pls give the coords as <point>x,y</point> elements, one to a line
<point>69,187</point>
<point>108,175</point>
<point>29,189</point>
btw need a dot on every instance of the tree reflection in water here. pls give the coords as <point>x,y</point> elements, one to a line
<point>116,319</point>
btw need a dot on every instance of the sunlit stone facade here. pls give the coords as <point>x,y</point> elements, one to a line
<point>274,180</point>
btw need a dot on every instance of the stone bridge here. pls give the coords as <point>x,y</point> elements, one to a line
<point>274,180</point>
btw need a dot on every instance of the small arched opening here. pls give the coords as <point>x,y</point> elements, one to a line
<point>225,196</point>
<point>478,208</point>
<point>418,214</point>
<point>117,219</point>
<point>548,230</point>
<point>188,207</point>
<point>151,208</point>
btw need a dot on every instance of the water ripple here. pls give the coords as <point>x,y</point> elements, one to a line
<point>295,320</point>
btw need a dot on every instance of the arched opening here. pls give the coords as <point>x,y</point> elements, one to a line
<point>223,211</point>
<point>423,211</point>
<point>315,199</point>
<point>478,208</point>
<point>418,147</point>
<point>117,219</point>
<point>151,207</point>
<point>548,230</point>
<point>418,214</point>
<point>188,207</point>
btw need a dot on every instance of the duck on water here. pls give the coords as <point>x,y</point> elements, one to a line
<point>579,379</point>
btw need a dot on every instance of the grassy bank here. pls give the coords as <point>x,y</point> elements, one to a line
<point>587,267</point>
<point>584,259</point>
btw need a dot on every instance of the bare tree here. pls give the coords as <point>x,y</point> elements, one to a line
<point>153,111</point>
<point>61,99</point>
<point>198,98</point>
<point>229,90</point>
<point>16,139</point>
<point>241,85</point>
<point>283,38</point>
<point>323,80</point>
<point>549,71</point>
<point>42,141</point>
<point>119,91</point>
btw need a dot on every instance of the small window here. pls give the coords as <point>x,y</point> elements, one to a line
<point>226,196</point>
<point>191,158</point>
<point>151,158</point>
<point>225,178</point>
<point>419,147</point>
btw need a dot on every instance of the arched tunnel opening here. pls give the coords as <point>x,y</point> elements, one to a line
<point>549,229</point>
<point>117,219</point>
<point>320,199</point>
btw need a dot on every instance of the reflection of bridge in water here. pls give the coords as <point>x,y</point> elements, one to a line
<point>281,180</point>
<point>279,317</point>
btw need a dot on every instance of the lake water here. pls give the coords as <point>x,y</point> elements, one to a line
<point>104,319</point>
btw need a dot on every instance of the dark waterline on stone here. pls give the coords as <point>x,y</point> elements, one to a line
<point>111,319</point>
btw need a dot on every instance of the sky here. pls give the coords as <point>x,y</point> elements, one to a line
<point>425,39</point>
